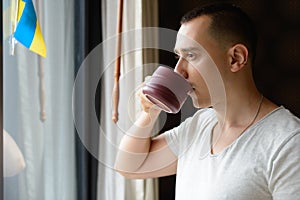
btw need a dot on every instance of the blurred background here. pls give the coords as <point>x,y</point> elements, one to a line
<point>59,163</point>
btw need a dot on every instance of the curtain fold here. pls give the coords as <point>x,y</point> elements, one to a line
<point>112,185</point>
<point>47,147</point>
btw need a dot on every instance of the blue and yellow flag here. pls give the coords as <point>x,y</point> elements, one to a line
<point>28,30</point>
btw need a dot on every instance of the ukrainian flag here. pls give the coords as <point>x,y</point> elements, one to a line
<point>28,30</point>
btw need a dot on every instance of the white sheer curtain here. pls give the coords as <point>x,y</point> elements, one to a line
<point>47,147</point>
<point>111,185</point>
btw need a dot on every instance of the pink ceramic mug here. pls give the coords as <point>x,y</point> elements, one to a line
<point>167,89</point>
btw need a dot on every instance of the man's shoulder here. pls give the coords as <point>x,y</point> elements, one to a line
<point>278,127</point>
<point>202,118</point>
<point>205,113</point>
<point>281,119</point>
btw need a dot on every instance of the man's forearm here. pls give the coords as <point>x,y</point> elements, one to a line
<point>135,145</point>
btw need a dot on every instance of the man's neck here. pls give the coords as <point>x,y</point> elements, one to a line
<point>239,116</point>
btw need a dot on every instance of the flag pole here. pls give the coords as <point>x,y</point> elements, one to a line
<point>41,72</point>
<point>42,91</point>
<point>115,114</point>
<point>14,26</point>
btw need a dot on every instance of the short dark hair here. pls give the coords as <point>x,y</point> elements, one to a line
<point>229,24</point>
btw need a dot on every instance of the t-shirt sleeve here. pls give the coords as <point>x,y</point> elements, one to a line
<point>174,136</point>
<point>285,174</point>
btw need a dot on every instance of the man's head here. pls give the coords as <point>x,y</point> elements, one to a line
<point>215,46</point>
<point>229,25</point>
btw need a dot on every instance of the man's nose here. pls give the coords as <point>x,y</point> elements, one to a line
<point>181,67</point>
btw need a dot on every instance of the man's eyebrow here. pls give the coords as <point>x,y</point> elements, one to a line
<point>186,49</point>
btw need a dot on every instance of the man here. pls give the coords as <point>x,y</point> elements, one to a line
<point>239,145</point>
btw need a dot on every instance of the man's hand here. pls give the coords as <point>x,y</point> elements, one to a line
<point>146,104</point>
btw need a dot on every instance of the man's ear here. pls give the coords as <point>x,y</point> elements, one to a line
<point>238,57</point>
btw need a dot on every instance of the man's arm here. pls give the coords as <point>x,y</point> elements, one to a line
<point>141,156</point>
<point>284,180</point>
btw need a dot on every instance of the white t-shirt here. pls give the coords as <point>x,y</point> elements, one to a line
<point>262,164</point>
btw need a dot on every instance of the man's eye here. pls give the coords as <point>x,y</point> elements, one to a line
<point>190,56</point>
<point>177,56</point>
